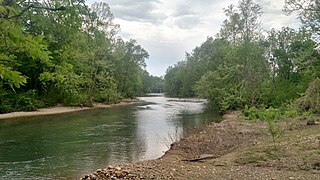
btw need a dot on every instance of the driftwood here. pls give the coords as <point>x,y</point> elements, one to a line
<point>201,157</point>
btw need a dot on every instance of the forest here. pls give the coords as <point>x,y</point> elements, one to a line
<point>65,52</point>
<point>246,67</point>
<point>62,51</point>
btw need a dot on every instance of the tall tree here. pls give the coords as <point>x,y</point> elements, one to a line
<point>62,51</point>
<point>242,23</point>
<point>308,11</point>
<point>129,59</point>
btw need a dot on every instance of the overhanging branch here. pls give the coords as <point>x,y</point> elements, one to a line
<point>61,8</point>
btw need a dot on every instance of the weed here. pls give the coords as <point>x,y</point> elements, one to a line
<point>275,131</point>
<point>171,138</point>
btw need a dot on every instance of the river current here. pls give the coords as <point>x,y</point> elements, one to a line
<point>67,146</point>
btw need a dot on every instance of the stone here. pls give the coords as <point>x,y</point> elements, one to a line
<point>85,177</point>
<point>119,174</point>
<point>311,122</point>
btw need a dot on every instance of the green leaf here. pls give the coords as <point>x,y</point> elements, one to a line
<point>3,10</point>
<point>13,78</point>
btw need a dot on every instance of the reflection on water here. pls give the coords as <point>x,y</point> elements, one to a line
<point>70,145</point>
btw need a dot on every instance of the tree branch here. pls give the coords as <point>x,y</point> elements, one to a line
<point>61,8</point>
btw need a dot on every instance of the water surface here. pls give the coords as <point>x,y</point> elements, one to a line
<point>69,145</point>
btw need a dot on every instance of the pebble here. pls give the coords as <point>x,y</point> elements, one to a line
<point>119,174</point>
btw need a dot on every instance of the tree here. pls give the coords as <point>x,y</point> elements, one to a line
<point>308,11</point>
<point>19,47</point>
<point>243,22</point>
<point>62,51</point>
<point>180,79</point>
<point>279,52</point>
<point>237,80</point>
<point>129,59</point>
<point>172,83</point>
<point>151,84</point>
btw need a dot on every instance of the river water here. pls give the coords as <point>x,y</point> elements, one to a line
<point>67,146</point>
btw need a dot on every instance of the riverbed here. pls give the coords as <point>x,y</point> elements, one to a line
<point>66,146</point>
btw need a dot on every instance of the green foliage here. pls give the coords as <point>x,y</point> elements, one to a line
<point>68,56</point>
<point>290,114</point>
<point>17,47</point>
<point>311,99</point>
<point>181,78</point>
<point>274,131</point>
<point>308,10</point>
<point>151,84</point>
<point>18,102</point>
<point>242,67</point>
<point>129,61</point>
<point>172,83</point>
<point>270,114</point>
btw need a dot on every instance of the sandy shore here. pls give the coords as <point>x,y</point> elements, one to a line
<point>64,109</point>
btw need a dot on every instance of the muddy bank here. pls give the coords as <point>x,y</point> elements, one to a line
<point>65,109</point>
<point>232,149</point>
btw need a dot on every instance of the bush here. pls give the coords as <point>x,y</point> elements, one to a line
<point>311,99</point>
<point>270,116</point>
<point>24,101</point>
<point>290,113</point>
<point>107,96</point>
<point>262,114</point>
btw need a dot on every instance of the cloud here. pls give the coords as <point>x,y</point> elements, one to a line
<point>140,10</point>
<point>273,16</point>
<point>188,22</point>
<point>167,29</point>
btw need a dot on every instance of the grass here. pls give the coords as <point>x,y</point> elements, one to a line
<point>297,149</point>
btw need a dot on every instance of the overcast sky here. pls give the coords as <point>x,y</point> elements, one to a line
<point>169,28</point>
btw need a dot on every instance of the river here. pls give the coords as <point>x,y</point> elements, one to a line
<point>67,146</point>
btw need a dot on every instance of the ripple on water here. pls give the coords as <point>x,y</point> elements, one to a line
<point>69,145</point>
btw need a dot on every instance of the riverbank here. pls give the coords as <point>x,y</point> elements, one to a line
<point>233,149</point>
<point>64,109</point>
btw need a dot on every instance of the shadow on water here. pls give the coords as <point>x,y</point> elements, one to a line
<point>70,145</point>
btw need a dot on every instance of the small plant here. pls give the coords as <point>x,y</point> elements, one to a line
<point>251,113</point>
<point>275,131</point>
<point>270,116</point>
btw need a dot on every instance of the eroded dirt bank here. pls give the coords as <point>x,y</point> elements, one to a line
<point>232,149</point>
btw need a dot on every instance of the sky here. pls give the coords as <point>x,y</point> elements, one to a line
<point>169,28</point>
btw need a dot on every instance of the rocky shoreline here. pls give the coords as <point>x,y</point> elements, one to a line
<point>232,149</point>
<point>65,109</point>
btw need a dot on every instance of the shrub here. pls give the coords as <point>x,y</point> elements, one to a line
<point>311,98</point>
<point>261,113</point>
<point>24,101</point>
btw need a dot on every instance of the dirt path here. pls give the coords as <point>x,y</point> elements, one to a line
<point>64,109</point>
<point>233,149</point>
